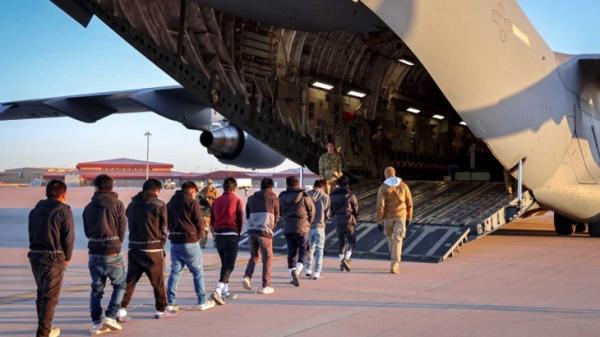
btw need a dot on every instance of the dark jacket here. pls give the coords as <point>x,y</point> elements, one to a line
<point>51,228</point>
<point>262,212</point>
<point>297,210</point>
<point>344,207</point>
<point>227,214</point>
<point>104,223</point>
<point>147,217</point>
<point>322,208</point>
<point>185,218</point>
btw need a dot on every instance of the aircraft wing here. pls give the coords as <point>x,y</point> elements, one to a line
<point>172,102</point>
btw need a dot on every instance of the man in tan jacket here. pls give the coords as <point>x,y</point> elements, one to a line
<point>395,210</point>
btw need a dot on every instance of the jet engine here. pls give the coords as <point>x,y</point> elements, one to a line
<point>232,146</point>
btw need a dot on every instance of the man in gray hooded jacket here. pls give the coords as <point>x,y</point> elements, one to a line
<point>317,229</point>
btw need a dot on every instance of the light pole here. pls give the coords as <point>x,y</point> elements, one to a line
<point>147,134</point>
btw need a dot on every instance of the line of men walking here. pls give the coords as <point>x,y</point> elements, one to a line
<point>151,222</point>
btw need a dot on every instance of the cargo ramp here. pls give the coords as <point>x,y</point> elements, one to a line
<point>446,216</point>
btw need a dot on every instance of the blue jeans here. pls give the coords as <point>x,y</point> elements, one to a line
<point>317,245</point>
<point>103,267</point>
<point>182,255</point>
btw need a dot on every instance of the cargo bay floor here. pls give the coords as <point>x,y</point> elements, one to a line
<point>522,281</point>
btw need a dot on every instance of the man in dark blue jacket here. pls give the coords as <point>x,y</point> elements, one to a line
<point>51,237</point>
<point>344,207</point>
<point>104,222</point>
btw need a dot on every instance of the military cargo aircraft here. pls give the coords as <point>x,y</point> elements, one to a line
<point>268,79</point>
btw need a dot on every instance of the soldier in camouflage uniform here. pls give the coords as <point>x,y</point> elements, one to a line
<point>206,197</point>
<point>330,167</point>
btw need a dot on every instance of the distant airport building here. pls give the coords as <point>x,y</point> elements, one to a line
<point>29,175</point>
<point>125,172</point>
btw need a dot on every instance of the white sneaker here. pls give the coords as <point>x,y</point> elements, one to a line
<point>164,314</point>
<point>247,283</point>
<point>112,324</point>
<point>54,332</point>
<point>173,308</point>
<point>266,290</point>
<point>122,316</point>
<point>308,274</point>
<point>316,276</point>
<point>206,306</point>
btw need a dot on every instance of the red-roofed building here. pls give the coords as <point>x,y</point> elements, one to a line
<point>125,172</point>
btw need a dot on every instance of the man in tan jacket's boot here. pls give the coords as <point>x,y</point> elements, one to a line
<point>395,211</point>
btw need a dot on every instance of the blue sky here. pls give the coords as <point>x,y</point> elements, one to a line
<point>45,54</point>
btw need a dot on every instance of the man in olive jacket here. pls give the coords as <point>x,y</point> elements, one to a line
<point>395,210</point>
<point>297,211</point>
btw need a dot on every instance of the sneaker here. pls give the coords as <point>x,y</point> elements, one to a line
<point>54,332</point>
<point>217,298</point>
<point>203,307</point>
<point>230,295</point>
<point>316,276</point>
<point>346,264</point>
<point>266,290</point>
<point>295,278</point>
<point>308,274</point>
<point>122,316</point>
<point>112,324</point>
<point>97,329</point>
<point>247,283</point>
<point>173,308</point>
<point>164,314</point>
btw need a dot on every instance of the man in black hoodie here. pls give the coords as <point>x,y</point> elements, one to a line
<point>298,211</point>
<point>262,212</point>
<point>147,217</point>
<point>51,236</point>
<point>186,226</point>
<point>344,207</point>
<point>104,222</point>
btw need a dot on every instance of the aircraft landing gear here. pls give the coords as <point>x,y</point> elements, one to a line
<point>594,229</point>
<point>562,225</point>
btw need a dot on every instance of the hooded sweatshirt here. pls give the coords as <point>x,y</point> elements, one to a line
<point>344,207</point>
<point>104,223</point>
<point>262,212</point>
<point>297,210</point>
<point>322,208</point>
<point>147,217</point>
<point>185,218</point>
<point>394,200</point>
<point>51,228</point>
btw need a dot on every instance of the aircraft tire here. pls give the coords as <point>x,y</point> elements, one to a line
<point>562,225</point>
<point>594,229</point>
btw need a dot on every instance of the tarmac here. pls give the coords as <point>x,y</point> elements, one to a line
<point>523,281</point>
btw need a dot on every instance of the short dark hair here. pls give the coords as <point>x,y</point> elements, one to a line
<point>343,181</point>
<point>189,185</point>
<point>266,183</point>
<point>292,181</point>
<point>229,184</point>
<point>319,183</point>
<point>152,185</point>
<point>55,189</point>
<point>104,183</point>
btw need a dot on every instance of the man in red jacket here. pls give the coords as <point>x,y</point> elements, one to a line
<point>226,217</point>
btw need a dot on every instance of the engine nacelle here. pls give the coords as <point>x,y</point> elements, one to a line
<point>233,146</point>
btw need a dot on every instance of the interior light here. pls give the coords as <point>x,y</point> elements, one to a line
<point>413,110</point>
<point>407,62</point>
<point>440,117</point>
<point>463,123</point>
<point>322,85</point>
<point>356,94</point>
